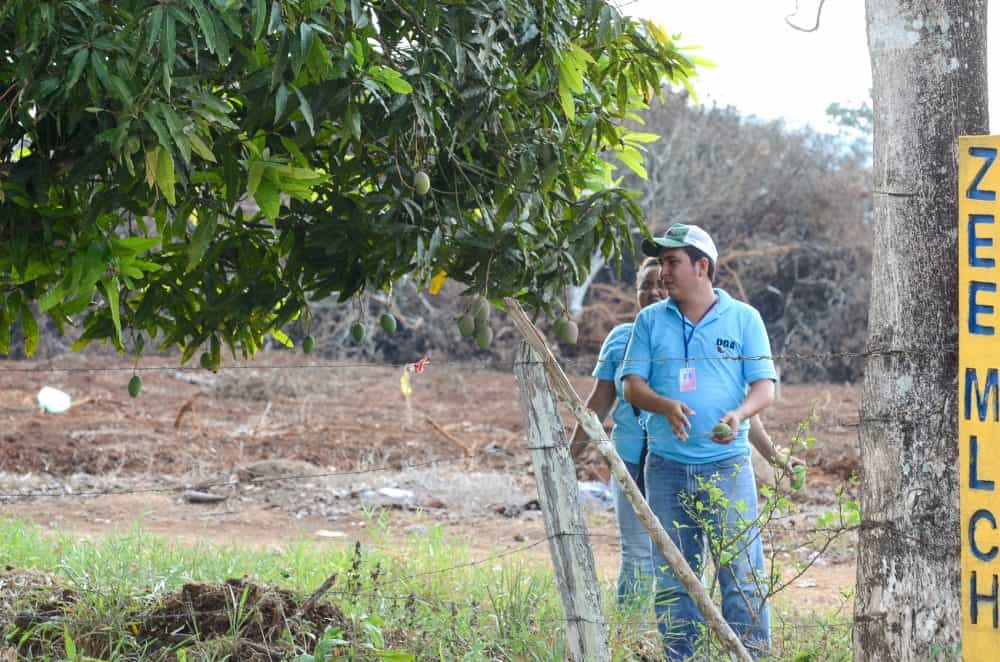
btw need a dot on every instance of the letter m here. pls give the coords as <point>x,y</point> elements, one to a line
<point>990,395</point>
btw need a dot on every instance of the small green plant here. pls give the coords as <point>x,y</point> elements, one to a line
<point>711,505</point>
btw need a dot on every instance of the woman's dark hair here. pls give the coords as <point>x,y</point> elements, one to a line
<point>648,263</point>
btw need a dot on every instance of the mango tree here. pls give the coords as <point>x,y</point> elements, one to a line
<point>198,171</point>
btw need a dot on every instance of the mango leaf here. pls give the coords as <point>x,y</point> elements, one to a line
<point>280,101</point>
<point>566,101</point>
<point>131,246</point>
<point>256,171</point>
<point>569,74</point>
<point>201,148</point>
<point>305,109</point>
<point>76,68</point>
<point>111,287</point>
<point>152,157</point>
<point>268,197</point>
<point>391,79</point>
<point>51,299</point>
<point>5,324</point>
<point>638,137</point>
<point>259,19</point>
<point>206,24</point>
<point>282,337</point>
<point>657,31</point>
<point>201,239</point>
<point>165,175</point>
<point>29,328</point>
<point>632,158</point>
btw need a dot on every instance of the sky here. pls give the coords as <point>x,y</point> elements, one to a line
<point>768,69</point>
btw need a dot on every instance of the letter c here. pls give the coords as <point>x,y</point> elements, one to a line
<point>982,513</point>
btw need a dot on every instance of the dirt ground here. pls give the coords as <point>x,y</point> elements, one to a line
<point>286,446</point>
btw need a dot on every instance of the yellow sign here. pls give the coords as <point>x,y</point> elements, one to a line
<point>979,392</point>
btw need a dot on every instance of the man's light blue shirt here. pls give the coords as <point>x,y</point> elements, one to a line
<point>627,433</point>
<point>728,350</point>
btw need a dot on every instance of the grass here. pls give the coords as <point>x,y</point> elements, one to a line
<point>400,598</point>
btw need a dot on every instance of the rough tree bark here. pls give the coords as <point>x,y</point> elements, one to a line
<point>929,74</point>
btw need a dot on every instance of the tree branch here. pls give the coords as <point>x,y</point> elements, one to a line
<point>814,28</point>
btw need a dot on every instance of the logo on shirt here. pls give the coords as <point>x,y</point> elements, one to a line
<point>727,346</point>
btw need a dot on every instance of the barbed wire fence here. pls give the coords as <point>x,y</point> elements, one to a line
<point>841,624</point>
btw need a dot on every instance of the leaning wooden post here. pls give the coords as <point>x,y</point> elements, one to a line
<point>595,429</point>
<point>559,497</point>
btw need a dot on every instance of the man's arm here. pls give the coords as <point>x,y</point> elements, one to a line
<point>761,440</point>
<point>637,391</point>
<point>759,396</point>
<point>602,397</point>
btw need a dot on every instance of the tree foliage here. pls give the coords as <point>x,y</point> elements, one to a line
<point>200,170</point>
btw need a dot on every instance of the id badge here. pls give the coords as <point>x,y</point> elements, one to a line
<point>688,380</point>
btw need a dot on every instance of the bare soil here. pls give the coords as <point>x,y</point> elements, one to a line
<point>293,447</point>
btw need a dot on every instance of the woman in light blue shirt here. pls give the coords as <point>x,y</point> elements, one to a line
<point>628,436</point>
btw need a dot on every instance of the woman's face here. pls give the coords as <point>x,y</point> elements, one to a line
<point>650,288</point>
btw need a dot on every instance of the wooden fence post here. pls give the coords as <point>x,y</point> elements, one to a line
<point>559,497</point>
<point>595,429</point>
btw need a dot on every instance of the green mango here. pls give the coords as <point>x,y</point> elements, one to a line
<point>566,331</point>
<point>721,431</point>
<point>307,345</point>
<point>421,182</point>
<point>207,363</point>
<point>484,337</point>
<point>135,386</point>
<point>358,332</point>
<point>467,326</point>
<point>388,323</point>
<point>481,310</point>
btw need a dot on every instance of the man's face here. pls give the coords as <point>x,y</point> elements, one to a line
<point>679,275</point>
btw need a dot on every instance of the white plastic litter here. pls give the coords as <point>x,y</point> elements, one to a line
<point>596,494</point>
<point>53,400</point>
<point>396,494</point>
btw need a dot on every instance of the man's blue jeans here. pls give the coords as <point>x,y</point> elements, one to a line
<point>673,491</point>
<point>635,578</point>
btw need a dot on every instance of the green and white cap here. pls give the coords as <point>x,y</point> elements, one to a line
<point>680,235</point>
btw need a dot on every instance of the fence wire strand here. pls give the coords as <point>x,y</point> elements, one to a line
<point>476,606</point>
<point>934,351</point>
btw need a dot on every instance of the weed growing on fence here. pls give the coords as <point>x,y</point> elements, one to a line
<point>729,531</point>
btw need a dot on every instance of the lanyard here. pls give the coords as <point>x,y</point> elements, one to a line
<point>688,336</point>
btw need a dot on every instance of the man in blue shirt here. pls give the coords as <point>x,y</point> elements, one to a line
<point>694,361</point>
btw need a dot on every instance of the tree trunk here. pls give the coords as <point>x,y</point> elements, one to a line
<point>929,73</point>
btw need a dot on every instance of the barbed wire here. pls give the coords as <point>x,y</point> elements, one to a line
<point>504,553</point>
<point>203,485</point>
<point>144,624</point>
<point>451,604</point>
<point>934,351</point>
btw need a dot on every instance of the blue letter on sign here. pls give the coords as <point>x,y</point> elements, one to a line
<point>982,513</point>
<point>990,156</point>
<point>975,309</point>
<point>974,481</point>
<point>976,598</point>
<point>974,241</point>
<point>983,398</point>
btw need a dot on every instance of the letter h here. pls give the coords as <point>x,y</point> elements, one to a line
<point>976,598</point>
